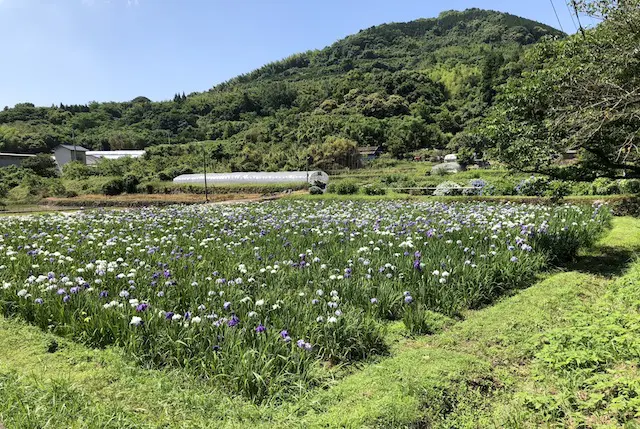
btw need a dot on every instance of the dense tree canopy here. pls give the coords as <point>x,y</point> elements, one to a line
<point>404,86</point>
<point>581,94</point>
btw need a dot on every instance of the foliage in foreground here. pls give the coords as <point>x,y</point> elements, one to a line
<point>463,377</point>
<point>580,94</point>
<point>593,361</point>
<point>256,295</point>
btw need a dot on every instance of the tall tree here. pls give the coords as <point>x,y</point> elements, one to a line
<point>581,94</point>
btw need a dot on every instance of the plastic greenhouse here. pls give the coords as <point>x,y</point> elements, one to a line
<point>258,178</point>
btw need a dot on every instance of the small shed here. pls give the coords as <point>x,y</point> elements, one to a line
<point>369,153</point>
<point>7,159</point>
<point>65,153</point>
<point>570,154</point>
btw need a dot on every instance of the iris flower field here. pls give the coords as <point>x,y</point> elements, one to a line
<point>260,298</point>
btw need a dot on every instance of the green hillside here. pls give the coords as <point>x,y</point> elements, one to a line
<point>405,86</point>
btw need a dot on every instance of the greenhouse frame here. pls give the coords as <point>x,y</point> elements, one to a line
<point>258,178</point>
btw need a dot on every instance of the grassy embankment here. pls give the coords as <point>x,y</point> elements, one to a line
<point>563,352</point>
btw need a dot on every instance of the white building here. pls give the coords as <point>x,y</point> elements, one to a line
<point>66,153</point>
<point>93,156</point>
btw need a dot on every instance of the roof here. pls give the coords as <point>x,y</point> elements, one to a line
<point>115,153</point>
<point>17,155</point>
<point>369,150</point>
<point>72,147</point>
<point>255,177</point>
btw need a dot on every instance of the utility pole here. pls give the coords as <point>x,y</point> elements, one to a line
<point>204,167</point>
<point>73,138</point>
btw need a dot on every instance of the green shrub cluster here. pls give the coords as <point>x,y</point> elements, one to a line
<point>345,187</point>
<point>113,187</point>
<point>374,189</point>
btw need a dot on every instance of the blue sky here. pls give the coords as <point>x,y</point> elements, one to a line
<point>76,51</point>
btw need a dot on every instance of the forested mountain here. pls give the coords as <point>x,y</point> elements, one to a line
<point>405,86</point>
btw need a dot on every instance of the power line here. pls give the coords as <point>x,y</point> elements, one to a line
<point>571,15</point>
<point>557,17</point>
<point>575,7</point>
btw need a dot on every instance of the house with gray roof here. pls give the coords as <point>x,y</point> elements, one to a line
<point>65,153</point>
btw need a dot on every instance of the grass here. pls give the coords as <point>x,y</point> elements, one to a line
<point>139,200</point>
<point>392,195</point>
<point>502,366</point>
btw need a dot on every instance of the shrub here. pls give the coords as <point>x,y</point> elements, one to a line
<point>389,179</point>
<point>374,189</point>
<point>130,183</point>
<point>478,186</point>
<point>532,187</point>
<point>447,189</point>
<point>581,188</point>
<point>629,186</point>
<point>347,187</point>
<point>35,185</point>
<point>57,189</point>
<point>113,187</point>
<point>76,171</point>
<point>604,186</point>
<point>558,189</point>
<point>315,190</point>
<point>43,165</point>
<point>173,172</point>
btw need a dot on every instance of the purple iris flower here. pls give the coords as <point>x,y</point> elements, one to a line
<point>74,289</point>
<point>168,315</point>
<point>142,307</point>
<point>66,298</point>
<point>408,299</point>
<point>104,294</point>
<point>233,321</point>
<point>39,301</point>
<point>61,291</point>
<point>260,328</point>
